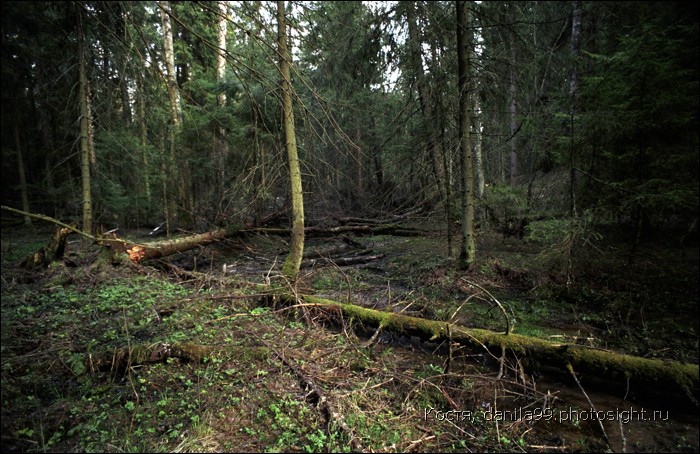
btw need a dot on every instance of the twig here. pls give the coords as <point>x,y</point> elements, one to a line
<point>622,435</point>
<point>570,368</point>
<point>493,298</point>
<point>322,402</point>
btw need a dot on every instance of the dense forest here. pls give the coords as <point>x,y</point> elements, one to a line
<point>535,151</point>
<point>110,121</point>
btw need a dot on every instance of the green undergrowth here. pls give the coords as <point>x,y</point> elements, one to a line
<point>380,393</point>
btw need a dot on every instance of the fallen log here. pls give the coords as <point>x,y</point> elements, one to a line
<point>318,231</point>
<point>628,372</point>
<point>164,248</point>
<point>344,261</point>
<point>121,359</point>
<point>158,249</point>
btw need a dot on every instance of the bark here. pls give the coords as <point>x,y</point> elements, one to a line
<point>143,137</point>
<point>171,82</point>
<point>467,255</point>
<point>175,174</point>
<point>293,261</point>
<point>631,373</point>
<point>422,88</point>
<point>167,197</point>
<point>478,158</point>
<point>573,88</point>
<point>513,109</point>
<point>384,229</point>
<point>222,152</point>
<point>85,139</point>
<point>169,247</point>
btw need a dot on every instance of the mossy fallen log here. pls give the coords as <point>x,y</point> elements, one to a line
<point>629,372</point>
<point>120,359</point>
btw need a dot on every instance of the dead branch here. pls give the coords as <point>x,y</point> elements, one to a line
<point>319,396</point>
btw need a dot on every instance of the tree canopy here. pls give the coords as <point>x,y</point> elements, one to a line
<point>376,91</point>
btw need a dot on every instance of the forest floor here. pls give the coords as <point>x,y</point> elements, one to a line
<point>380,393</point>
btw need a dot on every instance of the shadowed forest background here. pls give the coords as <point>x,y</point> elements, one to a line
<point>544,153</point>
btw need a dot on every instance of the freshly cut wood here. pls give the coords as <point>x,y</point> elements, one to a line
<point>167,247</point>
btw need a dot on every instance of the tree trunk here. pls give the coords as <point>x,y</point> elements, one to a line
<point>573,88</point>
<point>143,138</point>
<point>175,174</point>
<point>86,153</point>
<point>478,159</point>
<point>293,261</point>
<point>171,82</point>
<point>467,255</point>
<point>51,252</point>
<point>629,373</point>
<point>166,196</point>
<point>513,110</point>
<point>167,247</point>
<point>20,170</point>
<point>222,151</point>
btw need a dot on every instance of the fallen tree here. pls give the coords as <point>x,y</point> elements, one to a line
<point>121,359</point>
<point>168,247</point>
<point>628,372</point>
<point>138,251</point>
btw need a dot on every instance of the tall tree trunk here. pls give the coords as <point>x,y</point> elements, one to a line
<point>513,106</point>
<point>164,178</point>
<point>293,261</point>
<point>467,255</point>
<point>86,152</point>
<point>20,169</point>
<point>478,158</point>
<point>170,80</point>
<point>175,111</point>
<point>221,98</point>
<point>573,89</point>
<point>143,138</point>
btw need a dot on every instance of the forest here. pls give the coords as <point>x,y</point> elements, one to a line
<point>413,226</point>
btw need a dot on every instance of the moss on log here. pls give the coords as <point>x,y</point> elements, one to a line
<point>122,358</point>
<point>625,370</point>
